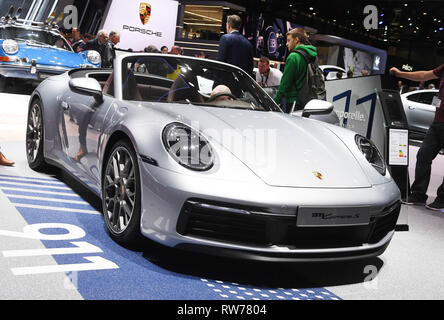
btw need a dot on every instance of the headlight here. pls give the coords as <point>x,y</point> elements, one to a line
<point>187,147</point>
<point>371,153</point>
<point>10,46</point>
<point>93,57</point>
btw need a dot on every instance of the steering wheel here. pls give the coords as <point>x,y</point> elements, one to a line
<point>222,94</point>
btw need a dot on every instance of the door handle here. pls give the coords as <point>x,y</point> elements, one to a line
<point>65,105</point>
<point>411,108</point>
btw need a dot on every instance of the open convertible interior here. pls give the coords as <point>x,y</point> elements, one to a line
<point>181,80</point>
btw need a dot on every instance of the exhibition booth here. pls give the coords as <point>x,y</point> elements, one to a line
<point>174,176</point>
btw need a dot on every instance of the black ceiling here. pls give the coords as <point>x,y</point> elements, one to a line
<point>400,23</point>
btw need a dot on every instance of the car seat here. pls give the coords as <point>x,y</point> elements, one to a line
<point>130,89</point>
<point>183,90</point>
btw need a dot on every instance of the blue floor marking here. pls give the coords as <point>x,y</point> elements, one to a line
<point>34,182</point>
<point>30,178</point>
<point>137,277</point>
<point>30,187</point>
<point>52,204</point>
<point>42,195</point>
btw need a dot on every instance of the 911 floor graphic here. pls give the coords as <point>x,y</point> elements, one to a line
<point>74,234</point>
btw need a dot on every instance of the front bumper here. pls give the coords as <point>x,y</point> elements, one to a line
<point>256,228</point>
<point>263,224</point>
<point>299,256</point>
<point>23,71</point>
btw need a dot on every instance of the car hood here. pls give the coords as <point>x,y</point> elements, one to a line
<point>50,56</point>
<point>280,149</point>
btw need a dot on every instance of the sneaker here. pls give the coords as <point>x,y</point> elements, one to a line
<point>414,199</point>
<point>435,205</point>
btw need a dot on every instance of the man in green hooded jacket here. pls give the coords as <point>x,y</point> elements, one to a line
<point>294,76</point>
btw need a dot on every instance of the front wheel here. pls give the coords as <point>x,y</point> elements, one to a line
<point>121,194</point>
<point>34,137</point>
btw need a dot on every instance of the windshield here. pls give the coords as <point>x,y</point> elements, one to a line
<point>191,81</point>
<point>34,37</point>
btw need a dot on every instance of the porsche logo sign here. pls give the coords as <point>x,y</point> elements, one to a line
<point>144,12</point>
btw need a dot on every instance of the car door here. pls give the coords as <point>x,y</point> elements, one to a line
<point>84,117</point>
<point>421,112</point>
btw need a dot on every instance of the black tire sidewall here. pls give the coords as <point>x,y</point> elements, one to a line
<point>39,161</point>
<point>132,233</point>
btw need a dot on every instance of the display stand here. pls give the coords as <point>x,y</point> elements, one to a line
<point>397,150</point>
<point>398,160</point>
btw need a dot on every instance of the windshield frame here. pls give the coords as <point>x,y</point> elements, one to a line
<point>19,38</point>
<point>250,91</point>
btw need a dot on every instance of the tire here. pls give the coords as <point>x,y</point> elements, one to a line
<point>35,137</point>
<point>121,194</point>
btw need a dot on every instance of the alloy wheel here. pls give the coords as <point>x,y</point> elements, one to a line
<point>34,132</point>
<point>119,190</point>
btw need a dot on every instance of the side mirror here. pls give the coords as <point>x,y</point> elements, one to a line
<point>317,107</point>
<point>87,86</point>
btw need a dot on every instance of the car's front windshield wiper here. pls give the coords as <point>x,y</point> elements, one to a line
<point>21,39</point>
<point>32,41</point>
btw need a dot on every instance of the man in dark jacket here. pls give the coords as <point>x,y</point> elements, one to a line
<point>109,53</point>
<point>76,40</point>
<point>98,44</point>
<point>235,48</point>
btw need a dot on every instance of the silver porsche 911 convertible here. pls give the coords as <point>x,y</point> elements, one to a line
<point>193,154</point>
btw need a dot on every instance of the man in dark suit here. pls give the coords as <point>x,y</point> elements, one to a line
<point>98,44</point>
<point>109,51</point>
<point>235,48</point>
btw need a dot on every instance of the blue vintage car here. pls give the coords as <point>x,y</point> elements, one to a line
<point>33,52</point>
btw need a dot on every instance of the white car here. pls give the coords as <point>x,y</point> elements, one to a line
<point>419,110</point>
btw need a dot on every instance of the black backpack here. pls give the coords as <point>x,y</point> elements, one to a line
<point>314,86</point>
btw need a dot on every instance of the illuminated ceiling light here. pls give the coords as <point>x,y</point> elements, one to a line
<point>203,16</point>
<point>202,24</point>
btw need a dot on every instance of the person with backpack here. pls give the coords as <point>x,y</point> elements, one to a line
<point>295,76</point>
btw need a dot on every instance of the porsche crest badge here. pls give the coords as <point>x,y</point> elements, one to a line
<point>144,12</point>
<point>318,175</point>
